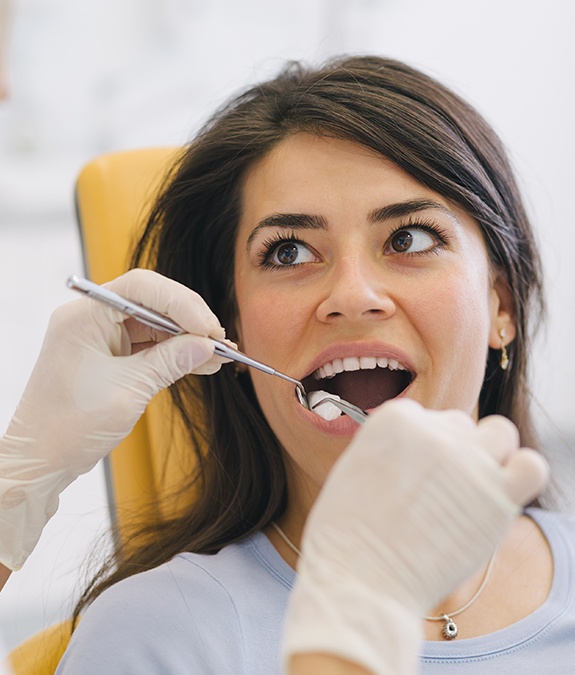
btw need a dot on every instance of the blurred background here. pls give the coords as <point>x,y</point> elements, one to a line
<point>81,78</point>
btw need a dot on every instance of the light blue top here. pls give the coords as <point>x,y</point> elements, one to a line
<point>196,614</point>
<point>223,614</point>
<point>542,643</point>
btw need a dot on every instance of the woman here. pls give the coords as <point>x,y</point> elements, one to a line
<point>377,212</point>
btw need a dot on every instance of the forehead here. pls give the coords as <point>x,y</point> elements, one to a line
<point>305,161</point>
<point>330,177</point>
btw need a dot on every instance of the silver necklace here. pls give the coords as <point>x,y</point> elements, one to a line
<point>285,538</point>
<point>450,629</point>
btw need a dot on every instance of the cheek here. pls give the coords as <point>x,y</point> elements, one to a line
<point>454,323</point>
<point>270,323</point>
<point>258,319</point>
<point>457,302</point>
<point>458,309</point>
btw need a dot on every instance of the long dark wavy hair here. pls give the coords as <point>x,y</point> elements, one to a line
<point>190,236</point>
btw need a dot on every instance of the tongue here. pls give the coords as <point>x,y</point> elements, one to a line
<point>367,388</point>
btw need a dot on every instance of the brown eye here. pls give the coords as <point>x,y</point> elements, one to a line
<point>290,254</point>
<point>286,254</point>
<point>282,253</point>
<point>412,240</point>
<point>401,241</point>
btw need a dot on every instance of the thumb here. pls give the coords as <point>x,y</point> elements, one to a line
<point>525,476</point>
<point>169,360</point>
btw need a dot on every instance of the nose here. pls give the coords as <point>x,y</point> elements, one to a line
<point>357,290</point>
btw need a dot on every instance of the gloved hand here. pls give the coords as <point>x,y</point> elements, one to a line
<point>94,377</point>
<point>418,501</point>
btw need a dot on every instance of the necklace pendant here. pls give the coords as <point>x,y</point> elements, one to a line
<point>450,628</point>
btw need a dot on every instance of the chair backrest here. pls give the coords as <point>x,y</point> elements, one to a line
<point>114,193</point>
<point>41,653</point>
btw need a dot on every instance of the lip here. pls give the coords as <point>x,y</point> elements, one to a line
<point>344,425</point>
<point>359,348</point>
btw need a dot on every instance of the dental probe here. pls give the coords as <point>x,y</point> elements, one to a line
<point>155,320</point>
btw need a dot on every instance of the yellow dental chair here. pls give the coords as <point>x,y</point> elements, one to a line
<point>113,194</point>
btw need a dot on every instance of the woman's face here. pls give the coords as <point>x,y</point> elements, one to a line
<point>343,260</point>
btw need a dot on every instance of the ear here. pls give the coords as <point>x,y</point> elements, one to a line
<point>502,314</point>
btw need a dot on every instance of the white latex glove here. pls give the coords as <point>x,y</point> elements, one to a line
<point>414,506</point>
<point>94,377</point>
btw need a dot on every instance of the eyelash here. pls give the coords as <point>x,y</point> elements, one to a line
<point>425,225</point>
<point>270,244</point>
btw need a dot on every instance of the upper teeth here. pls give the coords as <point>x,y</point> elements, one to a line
<point>356,363</point>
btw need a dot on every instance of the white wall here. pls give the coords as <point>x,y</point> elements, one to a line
<point>89,77</point>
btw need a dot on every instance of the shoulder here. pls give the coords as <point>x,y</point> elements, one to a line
<point>554,523</point>
<point>192,609</point>
<point>154,621</point>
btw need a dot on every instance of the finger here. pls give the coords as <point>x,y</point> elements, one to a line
<point>146,338</point>
<point>142,336</point>
<point>455,420</point>
<point>402,409</point>
<point>526,475</point>
<point>170,298</point>
<point>168,361</point>
<point>212,366</point>
<point>499,437</point>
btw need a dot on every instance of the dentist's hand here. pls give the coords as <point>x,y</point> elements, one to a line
<point>95,375</point>
<point>415,505</point>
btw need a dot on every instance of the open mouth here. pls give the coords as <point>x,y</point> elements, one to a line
<point>364,381</point>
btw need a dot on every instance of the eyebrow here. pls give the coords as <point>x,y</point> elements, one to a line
<point>304,221</point>
<point>289,221</point>
<point>406,208</point>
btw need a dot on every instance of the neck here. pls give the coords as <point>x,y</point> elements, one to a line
<point>518,584</point>
<point>291,524</point>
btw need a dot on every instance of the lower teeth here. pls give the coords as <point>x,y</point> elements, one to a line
<point>326,410</point>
